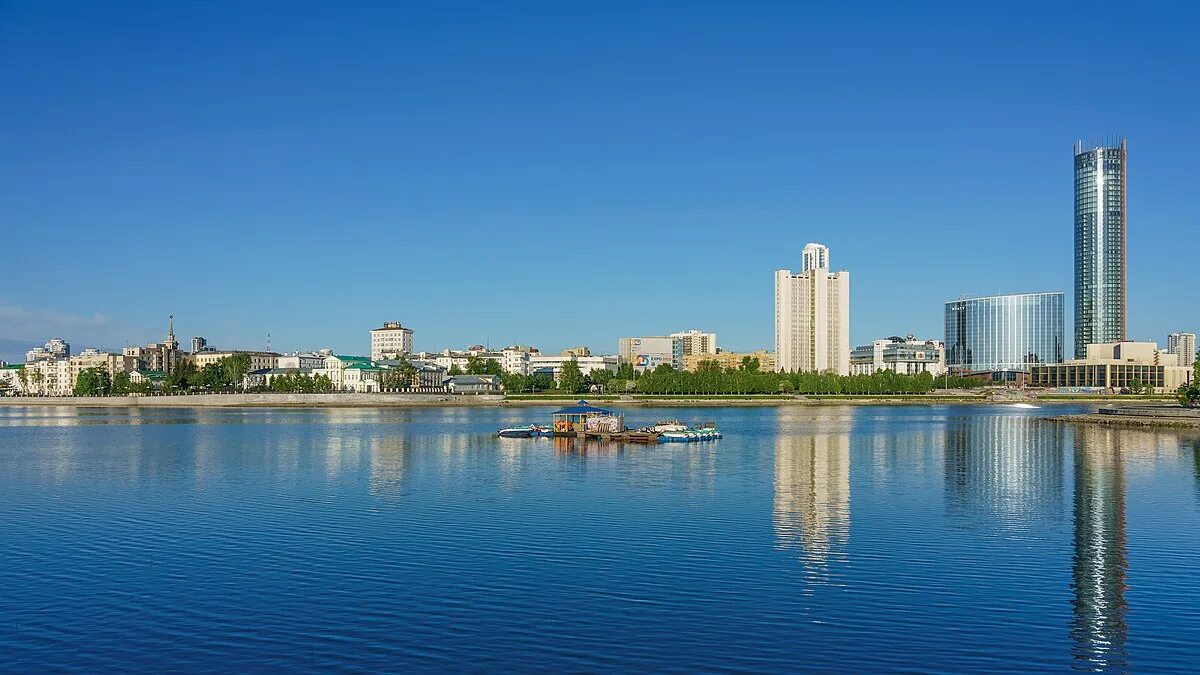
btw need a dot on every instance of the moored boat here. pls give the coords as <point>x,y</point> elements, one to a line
<point>529,431</point>
<point>677,433</point>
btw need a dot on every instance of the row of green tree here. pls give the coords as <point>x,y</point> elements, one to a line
<point>299,383</point>
<point>477,365</point>
<point>97,382</point>
<point>710,378</point>
<point>222,375</point>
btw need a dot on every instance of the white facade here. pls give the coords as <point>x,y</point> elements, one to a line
<point>11,375</point>
<point>812,318</point>
<point>814,257</point>
<point>49,378</point>
<point>303,360</point>
<point>697,342</point>
<point>516,359</point>
<point>907,356</point>
<point>1183,346</point>
<point>390,341</point>
<point>55,348</point>
<point>587,364</point>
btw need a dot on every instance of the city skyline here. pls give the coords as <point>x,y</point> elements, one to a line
<point>219,183</point>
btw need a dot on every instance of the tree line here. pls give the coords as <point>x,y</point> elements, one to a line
<point>711,378</point>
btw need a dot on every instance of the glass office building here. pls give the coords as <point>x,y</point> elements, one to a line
<point>1099,246</point>
<point>1004,333</point>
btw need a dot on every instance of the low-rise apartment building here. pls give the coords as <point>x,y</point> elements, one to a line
<point>94,358</point>
<point>49,377</point>
<point>258,360</point>
<point>904,355</point>
<point>298,360</point>
<point>727,360</point>
<point>587,364</point>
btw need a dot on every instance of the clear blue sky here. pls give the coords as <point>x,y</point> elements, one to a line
<point>559,174</point>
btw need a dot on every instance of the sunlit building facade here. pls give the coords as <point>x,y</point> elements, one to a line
<point>1100,232</point>
<point>812,316</point>
<point>1004,333</point>
<point>1183,346</point>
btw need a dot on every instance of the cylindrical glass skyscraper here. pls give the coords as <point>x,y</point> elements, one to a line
<point>1004,333</point>
<point>1100,181</point>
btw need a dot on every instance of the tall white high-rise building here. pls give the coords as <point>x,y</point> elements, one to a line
<point>812,316</point>
<point>1183,346</point>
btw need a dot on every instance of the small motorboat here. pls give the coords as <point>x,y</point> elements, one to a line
<point>678,433</point>
<point>530,431</point>
<point>516,432</point>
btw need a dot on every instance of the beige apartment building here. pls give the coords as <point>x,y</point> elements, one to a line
<point>812,316</point>
<point>727,360</point>
<point>391,341</point>
<point>93,358</point>
<point>1114,366</point>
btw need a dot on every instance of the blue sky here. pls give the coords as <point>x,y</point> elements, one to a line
<point>559,174</point>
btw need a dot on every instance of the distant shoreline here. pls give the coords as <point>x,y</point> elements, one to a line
<point>446,400</point>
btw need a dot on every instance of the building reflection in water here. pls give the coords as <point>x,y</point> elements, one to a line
<point>389,464</point>
<point>812,496</point>
<point>1195,445</point>
<point>1098,627</point>
<point>1010,467</point>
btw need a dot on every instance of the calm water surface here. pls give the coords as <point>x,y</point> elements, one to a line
<point>851,539</point>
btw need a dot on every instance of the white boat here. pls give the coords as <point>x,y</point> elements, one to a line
<point>523,432</point>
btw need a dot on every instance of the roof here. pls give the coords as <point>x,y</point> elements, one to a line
<point>151,374</point>
<point>583,408</point>
<point>357,365</point>
<point>356,359</point>
<point>13,366</point>
<point>473,379</point>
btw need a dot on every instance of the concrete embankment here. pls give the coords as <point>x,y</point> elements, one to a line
<point>1170,416</point>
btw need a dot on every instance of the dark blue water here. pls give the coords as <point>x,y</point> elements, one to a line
<point>848,539</point>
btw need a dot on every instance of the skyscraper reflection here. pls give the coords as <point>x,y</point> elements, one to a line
<point>1098,626</point>
<point>1009,466</point>
<point>812,495</point>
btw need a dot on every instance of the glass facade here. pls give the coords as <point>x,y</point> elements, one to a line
<point>1099,246</point>
<point>1004,332</point>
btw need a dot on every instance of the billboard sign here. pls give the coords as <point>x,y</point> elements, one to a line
<point>650,361</point>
